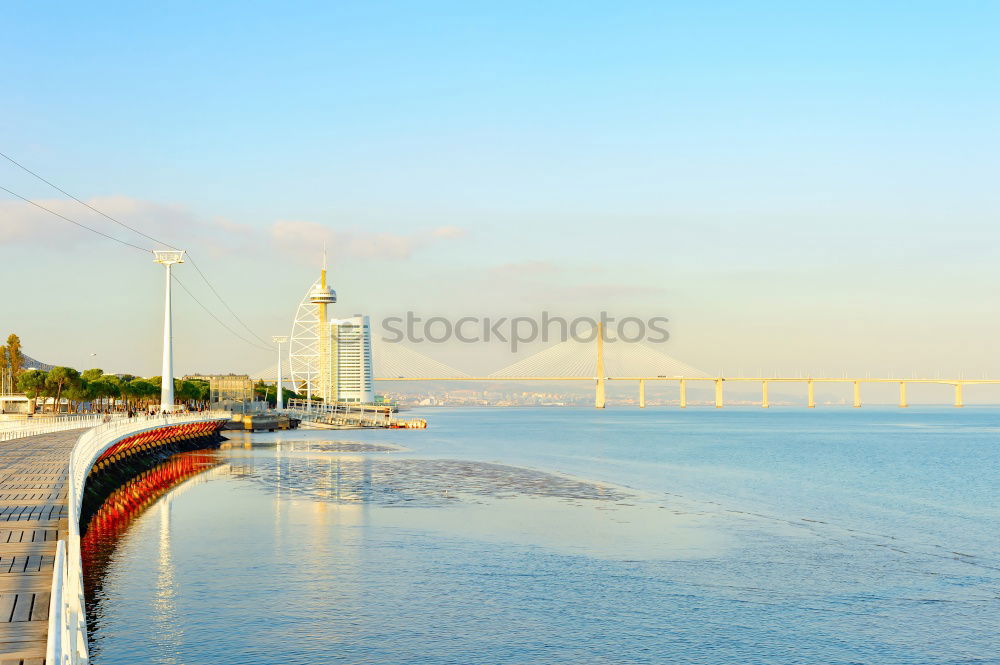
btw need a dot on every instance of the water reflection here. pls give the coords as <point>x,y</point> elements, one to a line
<point>319,551</point>
<point>168,634</point>
<point>151,490</point>
<point>112,520</point>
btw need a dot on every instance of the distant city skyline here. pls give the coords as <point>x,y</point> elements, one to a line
<point>796,187</point>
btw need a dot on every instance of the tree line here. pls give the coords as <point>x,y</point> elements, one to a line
<point>94,390</point>
<point>91,389</point>
<point>104,392</point>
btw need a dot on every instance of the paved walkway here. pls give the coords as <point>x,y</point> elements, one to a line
<point>32,519</point>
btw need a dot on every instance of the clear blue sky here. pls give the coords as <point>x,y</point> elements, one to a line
<point>796,185</point>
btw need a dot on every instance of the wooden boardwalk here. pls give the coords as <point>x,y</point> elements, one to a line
<point>32,518</point>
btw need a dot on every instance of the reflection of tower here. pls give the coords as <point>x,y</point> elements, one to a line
<point>169,631</point>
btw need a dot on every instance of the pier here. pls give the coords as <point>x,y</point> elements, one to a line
<point>344,415</point>
<point>43,477</point>
<point>33,518</point>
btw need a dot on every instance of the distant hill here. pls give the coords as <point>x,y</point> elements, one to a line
<point>31,363</point>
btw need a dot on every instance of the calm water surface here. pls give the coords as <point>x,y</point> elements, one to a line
<point>566,536</point>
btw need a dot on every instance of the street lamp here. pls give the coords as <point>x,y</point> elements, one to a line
<point>279,340</point>
<point>167,258</point>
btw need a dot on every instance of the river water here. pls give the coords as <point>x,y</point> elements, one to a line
<point>565,536</point>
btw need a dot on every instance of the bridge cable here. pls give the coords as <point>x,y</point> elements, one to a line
<point>73,221</point>
<point>130,228</point>
<point>212,314</point>
<point>128,244</point>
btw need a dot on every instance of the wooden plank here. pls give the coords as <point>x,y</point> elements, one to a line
<point>7,606</point>
<point>40,612</point>
<point>22,607</point>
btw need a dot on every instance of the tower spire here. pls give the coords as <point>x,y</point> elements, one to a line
<point>323,270</point>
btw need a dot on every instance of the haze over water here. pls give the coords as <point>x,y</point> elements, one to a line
<point>573,536</point>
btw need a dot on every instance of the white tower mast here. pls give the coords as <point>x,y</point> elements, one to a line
<point>280,403</point>
<point>167,259</point>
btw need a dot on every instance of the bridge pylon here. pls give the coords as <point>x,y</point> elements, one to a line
<point>599,396</point>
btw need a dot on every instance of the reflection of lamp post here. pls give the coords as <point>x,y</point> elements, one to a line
<point>279,340</point>
<point>167,258</point>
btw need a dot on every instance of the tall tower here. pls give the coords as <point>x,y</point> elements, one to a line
<point>167,259</point>
<point>352,342</point>
<point>321,296</point>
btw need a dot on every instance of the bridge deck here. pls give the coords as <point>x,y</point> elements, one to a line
<point>32,519</point>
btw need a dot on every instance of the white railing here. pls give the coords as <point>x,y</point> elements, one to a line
<point>67,639</point>
<point>15,429</point>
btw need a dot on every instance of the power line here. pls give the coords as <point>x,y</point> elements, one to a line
<point>212,314</point>
<point>83,203</point>
<point>134,230</point>
<point>141,249</point>
<point>73,221</point>
<point>223,301</point>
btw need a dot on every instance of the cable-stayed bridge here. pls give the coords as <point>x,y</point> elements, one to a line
<point>568,361</point>
<point>599,362</point>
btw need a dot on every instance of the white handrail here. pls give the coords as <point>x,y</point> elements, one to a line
<point>17,429</point>
<point>67,639</point>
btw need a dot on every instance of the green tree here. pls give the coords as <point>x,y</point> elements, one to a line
<point>105,387</point>
<point>33,384</point>
<point>204,390</point>
<point>185,391</point>
<point>268,392</point>
<point>142,391</point>
<point>78,392</point>
<point>92,374</point>
<point>15,359</point>
<point>115,390</point>
<point>5,373</point>
<point>58,379</point>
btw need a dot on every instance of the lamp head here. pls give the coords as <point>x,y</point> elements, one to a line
<point>168,257</point>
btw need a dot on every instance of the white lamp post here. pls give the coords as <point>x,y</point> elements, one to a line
<point>167,259</point>
<point>279,340</point>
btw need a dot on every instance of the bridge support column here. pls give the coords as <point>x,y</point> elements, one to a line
<point>958,395</point>
<point>599,398</point>
<point>811,390</point>
<point>902,395</point>
<point>857,394</point>
<point>642,393</point>
<point>684,394</point>
<point>718,393</point>
<point>763,397</point>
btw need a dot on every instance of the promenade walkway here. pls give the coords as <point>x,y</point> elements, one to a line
<point>33,516</point>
